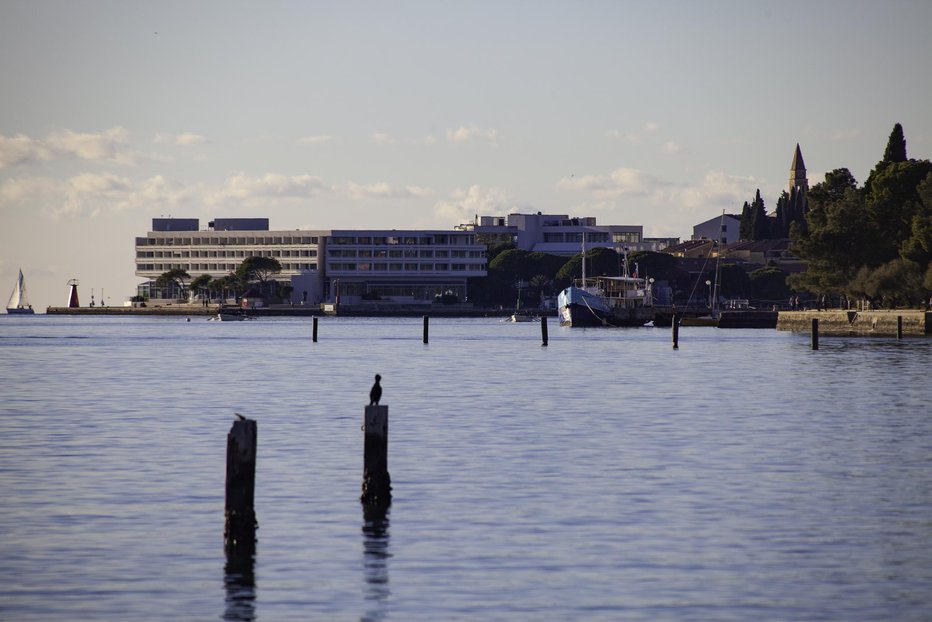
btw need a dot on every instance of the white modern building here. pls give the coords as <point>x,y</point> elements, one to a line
<point>558,234</point>
<point>403,265</point>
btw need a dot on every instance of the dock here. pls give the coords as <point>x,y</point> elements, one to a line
<point>849,322</point>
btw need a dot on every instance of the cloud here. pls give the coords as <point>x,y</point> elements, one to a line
<point>716,189</point>
<point>319,139</point>
<point>245,189</point>
<point>651,126</point>
<point>381,138</point>
<point>846,133</point>
<point>190,139</point>
<point>672,147</point>
<point>464,205</point>
<point>382,190</point>
<point>108,145</point>
<point>467,133</point>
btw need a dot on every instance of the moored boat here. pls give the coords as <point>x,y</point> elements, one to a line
<point>19,302</point>
<point>606,301</point>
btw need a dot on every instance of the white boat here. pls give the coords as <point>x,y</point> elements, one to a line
<point>19,303</point>
<point>605,300</point>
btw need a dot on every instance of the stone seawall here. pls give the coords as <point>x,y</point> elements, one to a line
<point>841,322</point>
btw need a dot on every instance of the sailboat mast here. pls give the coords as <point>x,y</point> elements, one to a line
<point>718,262</point>
<point>583,258</point>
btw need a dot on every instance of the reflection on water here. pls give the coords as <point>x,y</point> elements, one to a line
<point>239,581</point>
<point>375,546</point>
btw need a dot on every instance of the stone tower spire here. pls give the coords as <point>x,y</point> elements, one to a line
<point>798,172</point>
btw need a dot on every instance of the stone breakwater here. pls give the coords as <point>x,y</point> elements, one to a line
<point>842,322</point>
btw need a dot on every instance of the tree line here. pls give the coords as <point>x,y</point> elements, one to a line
<point>252,272</point>
<point>872,242</point>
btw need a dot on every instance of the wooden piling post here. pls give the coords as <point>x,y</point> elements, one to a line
<point>426,324</point>
<point>543,330</point>
<point>899,327</point>
<point>815,333</point>
<point>376,482</point>
<point>240,524</point>
<point>314,330</point>
<point>676,332</point>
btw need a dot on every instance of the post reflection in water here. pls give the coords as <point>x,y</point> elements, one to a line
<point>239,581</point>
<point>375,559</point>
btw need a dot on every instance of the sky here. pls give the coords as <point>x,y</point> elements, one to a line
<point>424,114</point>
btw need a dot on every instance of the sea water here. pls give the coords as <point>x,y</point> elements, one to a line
<point>606,476</point>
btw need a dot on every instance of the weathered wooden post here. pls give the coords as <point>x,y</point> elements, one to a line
<point>815,333</point>
<point>676,332</point>
<point>376,482</point>
<point>314,331</point>
<point>426,323</point>
<point>899,327</point>
<point>543,330</point>
<point>240,524</point>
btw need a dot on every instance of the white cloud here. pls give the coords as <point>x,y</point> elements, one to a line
<point>109,145</point>
<point>672,147</point>
<point>382,190</point>
<point>381,138</point>
<point>190,139</point>
<point>319,139</point>
<point>246,189</point>
<point>467,133</point>
<point>464,205</point>
<point>716,190</point>
<point>846,133</point>
<point>651,126</point>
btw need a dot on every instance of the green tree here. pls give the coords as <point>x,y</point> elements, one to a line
<point>173,278</point>
<point>259,269</point>
<point>201,284</point>
<point>896,146</point>
<point>769,283</point>
<point>839,240</point>
<point>894,283</point>
<point>600,261</point>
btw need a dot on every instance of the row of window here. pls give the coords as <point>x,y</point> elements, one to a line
<point>409,254</point>
<point>228,241</point>
<point>224,254</point>
<point>404,267</point>
<point>214,267</point>
<point>409,240</point>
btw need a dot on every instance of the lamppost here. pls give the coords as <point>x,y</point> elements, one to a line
<point>709,283</point>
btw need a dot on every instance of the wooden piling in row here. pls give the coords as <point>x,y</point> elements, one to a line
<point>676,332</point>
<point>543,330</point>
<point>240,517</point>
<point>376,482</point>
<point>815,333</point>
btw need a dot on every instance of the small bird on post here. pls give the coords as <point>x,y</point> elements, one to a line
<point>375,393</point>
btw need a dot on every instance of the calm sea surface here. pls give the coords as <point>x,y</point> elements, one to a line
<point>604,477</point>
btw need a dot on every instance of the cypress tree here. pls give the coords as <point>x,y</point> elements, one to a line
<point>759,222</point>
<point>746,226</point>
<point>896,146</point>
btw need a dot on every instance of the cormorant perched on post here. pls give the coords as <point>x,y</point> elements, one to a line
<point>375,393</point>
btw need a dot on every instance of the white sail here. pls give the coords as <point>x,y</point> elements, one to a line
<point>18,299</point>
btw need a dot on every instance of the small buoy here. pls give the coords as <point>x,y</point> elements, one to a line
<point>187,319</point>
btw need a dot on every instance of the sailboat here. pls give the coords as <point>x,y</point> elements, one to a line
<point>19,303</point>
<point>712,319</point>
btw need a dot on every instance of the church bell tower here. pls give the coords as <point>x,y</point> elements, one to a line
<point>798,173</point>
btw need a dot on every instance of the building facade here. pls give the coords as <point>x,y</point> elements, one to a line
<point>404,265</point>
<point>558,234</point>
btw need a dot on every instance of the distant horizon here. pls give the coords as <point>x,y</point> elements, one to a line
<point>368,115</point>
